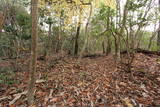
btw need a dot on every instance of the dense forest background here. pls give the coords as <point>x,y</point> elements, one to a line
<point>33,32</point>
<point>66,27</point>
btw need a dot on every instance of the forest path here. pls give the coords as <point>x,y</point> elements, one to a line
<point>91,82</point>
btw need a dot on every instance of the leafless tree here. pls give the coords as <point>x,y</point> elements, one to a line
<point>34,14</point>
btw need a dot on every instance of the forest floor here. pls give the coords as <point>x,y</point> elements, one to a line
<point>93,82</point>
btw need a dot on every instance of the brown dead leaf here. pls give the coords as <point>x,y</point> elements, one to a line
<point>71,100</point>
<point>127,102</point>
<point>11,105</point>
<point>40,93</point>
<point>40,81</point>
<point>56,99</point>
<point>123,83</point>
<point>158,79</point>
<point>17,97</point>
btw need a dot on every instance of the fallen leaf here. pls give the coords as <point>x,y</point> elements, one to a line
<point>17,96</point>
<point>11,105</point>
<point>71,100</point>
<point>127,102</point>
<point>56,99</point>
<point>40,81</point>
<point>123,83</point>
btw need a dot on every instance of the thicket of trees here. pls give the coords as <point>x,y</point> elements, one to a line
<point>77,28</point>
<point>65,26</point>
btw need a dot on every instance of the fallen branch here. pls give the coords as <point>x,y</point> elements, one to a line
<point>92,55</point>
<point>143,51</point>
<point>51,92</point>
<point>49,97</point>
<point>4,98</point>
<point>40,81</point>
<point>17,96</point>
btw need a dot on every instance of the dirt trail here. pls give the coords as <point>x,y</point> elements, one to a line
<point>93,83</point>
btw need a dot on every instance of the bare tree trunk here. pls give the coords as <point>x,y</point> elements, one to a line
<point>59,34</point>
<point>158,38</point>
<point>121,33</point>
<point>62,47</point>
<point>103,47</point>
<point>118,48</point>
<point>118,19</point>
<point>109,22</point>
<point>76,47</point>
<point>85,47</point>
<point>1,21</point>
<point>32,79</point>
<point>152,37</point>
<point>57,44</point>
<point>49,37</point>
<point>76,44</point>
<point>109,43</point>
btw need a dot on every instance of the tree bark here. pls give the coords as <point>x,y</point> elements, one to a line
<point>59,35</point>
<point>49,37</point>
<point>152,37</point>
<point>158,38</point>
<point>103,47</point>
<point>76,47</point>
<point>109,22</point>
<point>85,46</point>
<point>109,44</point>
<point>121,32</point>
<point>34,15</point>
<point>1,21</point>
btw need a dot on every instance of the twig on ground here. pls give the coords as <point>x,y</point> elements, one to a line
<point>17,96</point>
